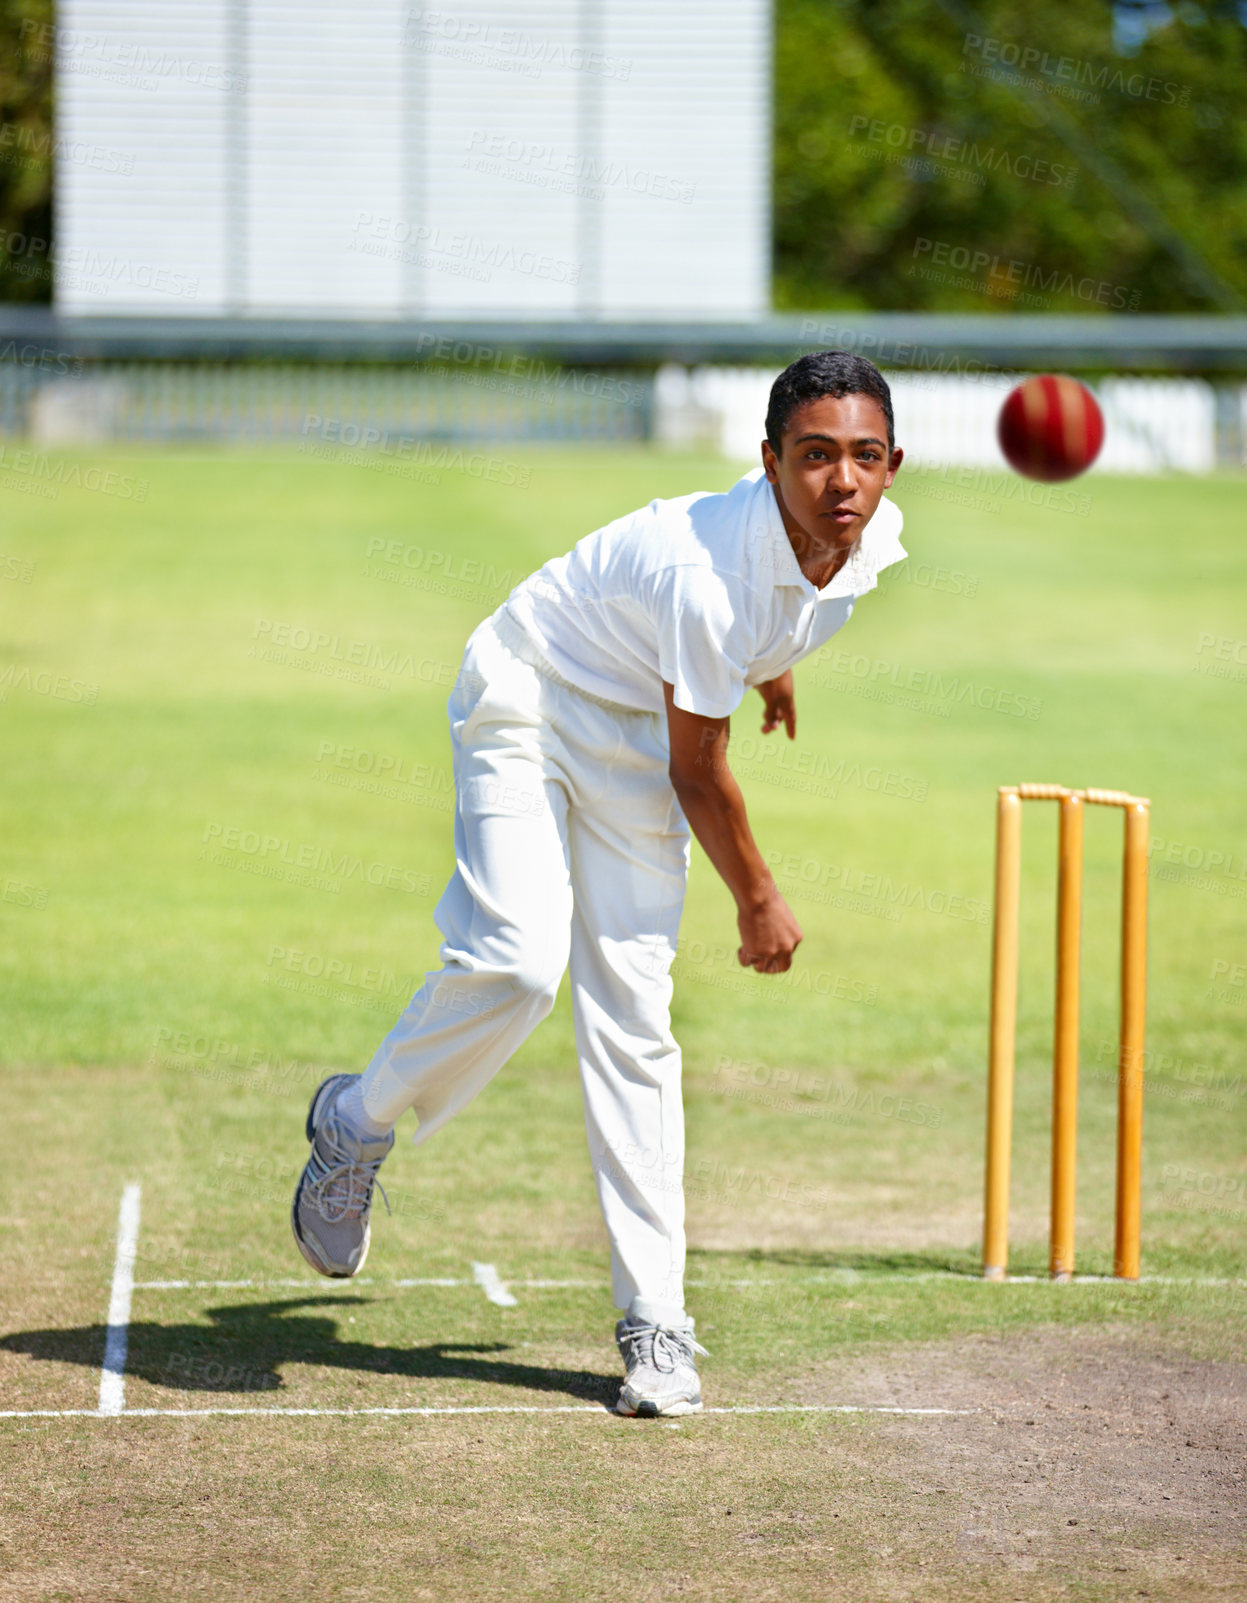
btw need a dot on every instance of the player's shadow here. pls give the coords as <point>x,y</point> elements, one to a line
<point>844,1260</point>
<point>247,1345</point>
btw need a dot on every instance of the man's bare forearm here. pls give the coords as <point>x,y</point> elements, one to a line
<point>715,809</point>
<point>712,803</point>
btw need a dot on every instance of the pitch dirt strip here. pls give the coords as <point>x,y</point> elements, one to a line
<point>486,1277</point>
<point>112,1374</point>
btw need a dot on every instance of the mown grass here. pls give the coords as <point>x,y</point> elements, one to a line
<point>169,1007</point>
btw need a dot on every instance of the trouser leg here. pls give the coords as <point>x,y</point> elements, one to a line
<point>629,862</point>
<point>505,915</point>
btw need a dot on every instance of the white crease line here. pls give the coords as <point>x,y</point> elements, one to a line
<point>491,1408</point>
<point>831,1277</point>
<point>970,1277</point>
<point>433,1282</point>
<point>487,1278</point>
<point>248,1285</point>
<point>363,1280</point>
<point>559,1285</point>
<point>1109,1280</point>
<point>113,1376</point>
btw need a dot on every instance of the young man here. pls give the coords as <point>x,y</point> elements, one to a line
<point>589,725</point>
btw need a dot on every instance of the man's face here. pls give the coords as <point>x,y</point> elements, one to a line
<point>832,470</point>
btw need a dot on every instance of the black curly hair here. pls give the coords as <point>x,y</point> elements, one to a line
<point>834,373</point>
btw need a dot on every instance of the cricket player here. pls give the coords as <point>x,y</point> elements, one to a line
<point>589,725</point>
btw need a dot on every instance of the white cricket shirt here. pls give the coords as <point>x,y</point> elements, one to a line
<point>703,591</point>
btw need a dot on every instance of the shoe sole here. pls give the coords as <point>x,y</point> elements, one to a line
<point>652,1410</point>
<point>305,1247</point>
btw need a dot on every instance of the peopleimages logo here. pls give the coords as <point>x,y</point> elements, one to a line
<point>55,473</point>
<point>30,142</point>
<point>1005,277</point>
<point>803,1091</point>
<point>46,682</point>
<point>561,168</point>
<point>942,148</point>
<point>1070,75</point>
<point>382,234</point>
<point>929,682</point>
<point>811,879</point>
<point>28,355</point>
<point>486,43</point>
<point>83,51</point>
<point>408,448</point>
<point>278,854</point>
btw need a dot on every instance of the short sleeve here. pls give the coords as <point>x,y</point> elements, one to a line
<point>703,638</point>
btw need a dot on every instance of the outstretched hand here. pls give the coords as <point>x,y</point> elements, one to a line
<point>780,702</point>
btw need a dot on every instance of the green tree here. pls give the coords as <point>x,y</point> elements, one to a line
<point>1007,155</point>
<point>26,155</point>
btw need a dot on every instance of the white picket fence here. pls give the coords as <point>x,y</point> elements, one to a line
<point>1150,425</point>
<point>360,407</point>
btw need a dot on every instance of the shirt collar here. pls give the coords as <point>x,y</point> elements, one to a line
<point>878,546</point>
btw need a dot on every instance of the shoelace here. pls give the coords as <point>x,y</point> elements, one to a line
<point>343,1188</point>
<point>655,1342</point>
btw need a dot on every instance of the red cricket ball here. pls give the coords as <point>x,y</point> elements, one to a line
<point>1050,428</point>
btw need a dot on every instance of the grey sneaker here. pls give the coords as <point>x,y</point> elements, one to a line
<point>334,1195</point>
<point>662,1373</point>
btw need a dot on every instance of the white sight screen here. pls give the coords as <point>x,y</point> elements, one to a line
<point>563,158</point>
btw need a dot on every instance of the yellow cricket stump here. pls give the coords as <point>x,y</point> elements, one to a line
<point>1065,1043</point>
<point>1004,1017</point>
<point>1130,1049</point>
<point>1065,1048</point>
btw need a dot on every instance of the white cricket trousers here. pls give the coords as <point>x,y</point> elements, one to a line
<point>569,842</point>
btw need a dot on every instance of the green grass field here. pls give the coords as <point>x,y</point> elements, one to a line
<point>227,821</point>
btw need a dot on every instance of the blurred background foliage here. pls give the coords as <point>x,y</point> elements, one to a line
<point>26,155</point>
<point>916,164</point>
<point>1141,102</point>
